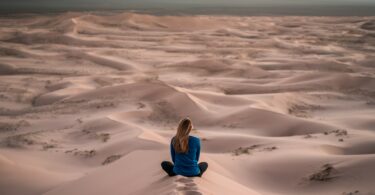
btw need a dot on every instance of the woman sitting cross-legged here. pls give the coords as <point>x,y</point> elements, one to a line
<point>185,152</point>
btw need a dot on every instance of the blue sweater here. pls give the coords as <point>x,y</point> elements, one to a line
<point>186,164</point>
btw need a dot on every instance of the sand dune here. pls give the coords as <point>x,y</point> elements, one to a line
<point>283,105</point>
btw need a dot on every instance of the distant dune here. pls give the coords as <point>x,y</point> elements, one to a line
<point>283,105</point>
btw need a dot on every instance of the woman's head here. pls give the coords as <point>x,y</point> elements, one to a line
<point>181,140</point>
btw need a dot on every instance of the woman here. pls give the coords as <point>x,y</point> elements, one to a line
<point>185,152</point>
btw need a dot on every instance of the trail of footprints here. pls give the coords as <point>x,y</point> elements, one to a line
<point>186,186</point>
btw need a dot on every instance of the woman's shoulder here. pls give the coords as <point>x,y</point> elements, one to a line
<point>194,139</point>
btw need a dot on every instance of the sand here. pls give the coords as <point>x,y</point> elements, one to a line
<point>90,101</point>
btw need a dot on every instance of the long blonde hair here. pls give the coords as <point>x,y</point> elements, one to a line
<point>181,140</point>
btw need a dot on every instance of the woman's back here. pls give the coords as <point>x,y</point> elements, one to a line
<point>187,163</point>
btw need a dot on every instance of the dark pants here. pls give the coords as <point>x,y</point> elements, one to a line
<point>168,167</point>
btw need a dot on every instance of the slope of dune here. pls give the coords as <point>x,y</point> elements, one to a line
<point>283,105</point>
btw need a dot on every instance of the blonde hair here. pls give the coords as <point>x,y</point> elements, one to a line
<point>181,140</point>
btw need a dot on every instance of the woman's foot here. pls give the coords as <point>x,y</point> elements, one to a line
<point>168,168</point>
<point>203,167</point>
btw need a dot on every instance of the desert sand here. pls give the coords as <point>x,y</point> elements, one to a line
<point>90,101</point>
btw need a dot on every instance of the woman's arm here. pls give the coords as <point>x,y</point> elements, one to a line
<point>198,150</point>
<point>172,151</point>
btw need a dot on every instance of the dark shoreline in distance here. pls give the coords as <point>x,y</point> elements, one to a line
<point>235,11</point>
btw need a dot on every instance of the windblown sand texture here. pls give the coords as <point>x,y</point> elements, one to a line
<point>283,105</point>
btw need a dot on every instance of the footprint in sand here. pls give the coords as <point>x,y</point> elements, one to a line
<point>187,186</point>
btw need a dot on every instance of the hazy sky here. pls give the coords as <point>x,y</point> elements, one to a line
<point>109,3</point>
<point>13,5</point>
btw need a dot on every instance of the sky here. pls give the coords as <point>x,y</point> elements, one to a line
<point>181,4</point>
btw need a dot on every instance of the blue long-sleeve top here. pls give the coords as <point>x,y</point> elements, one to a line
<point>186,164</point>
